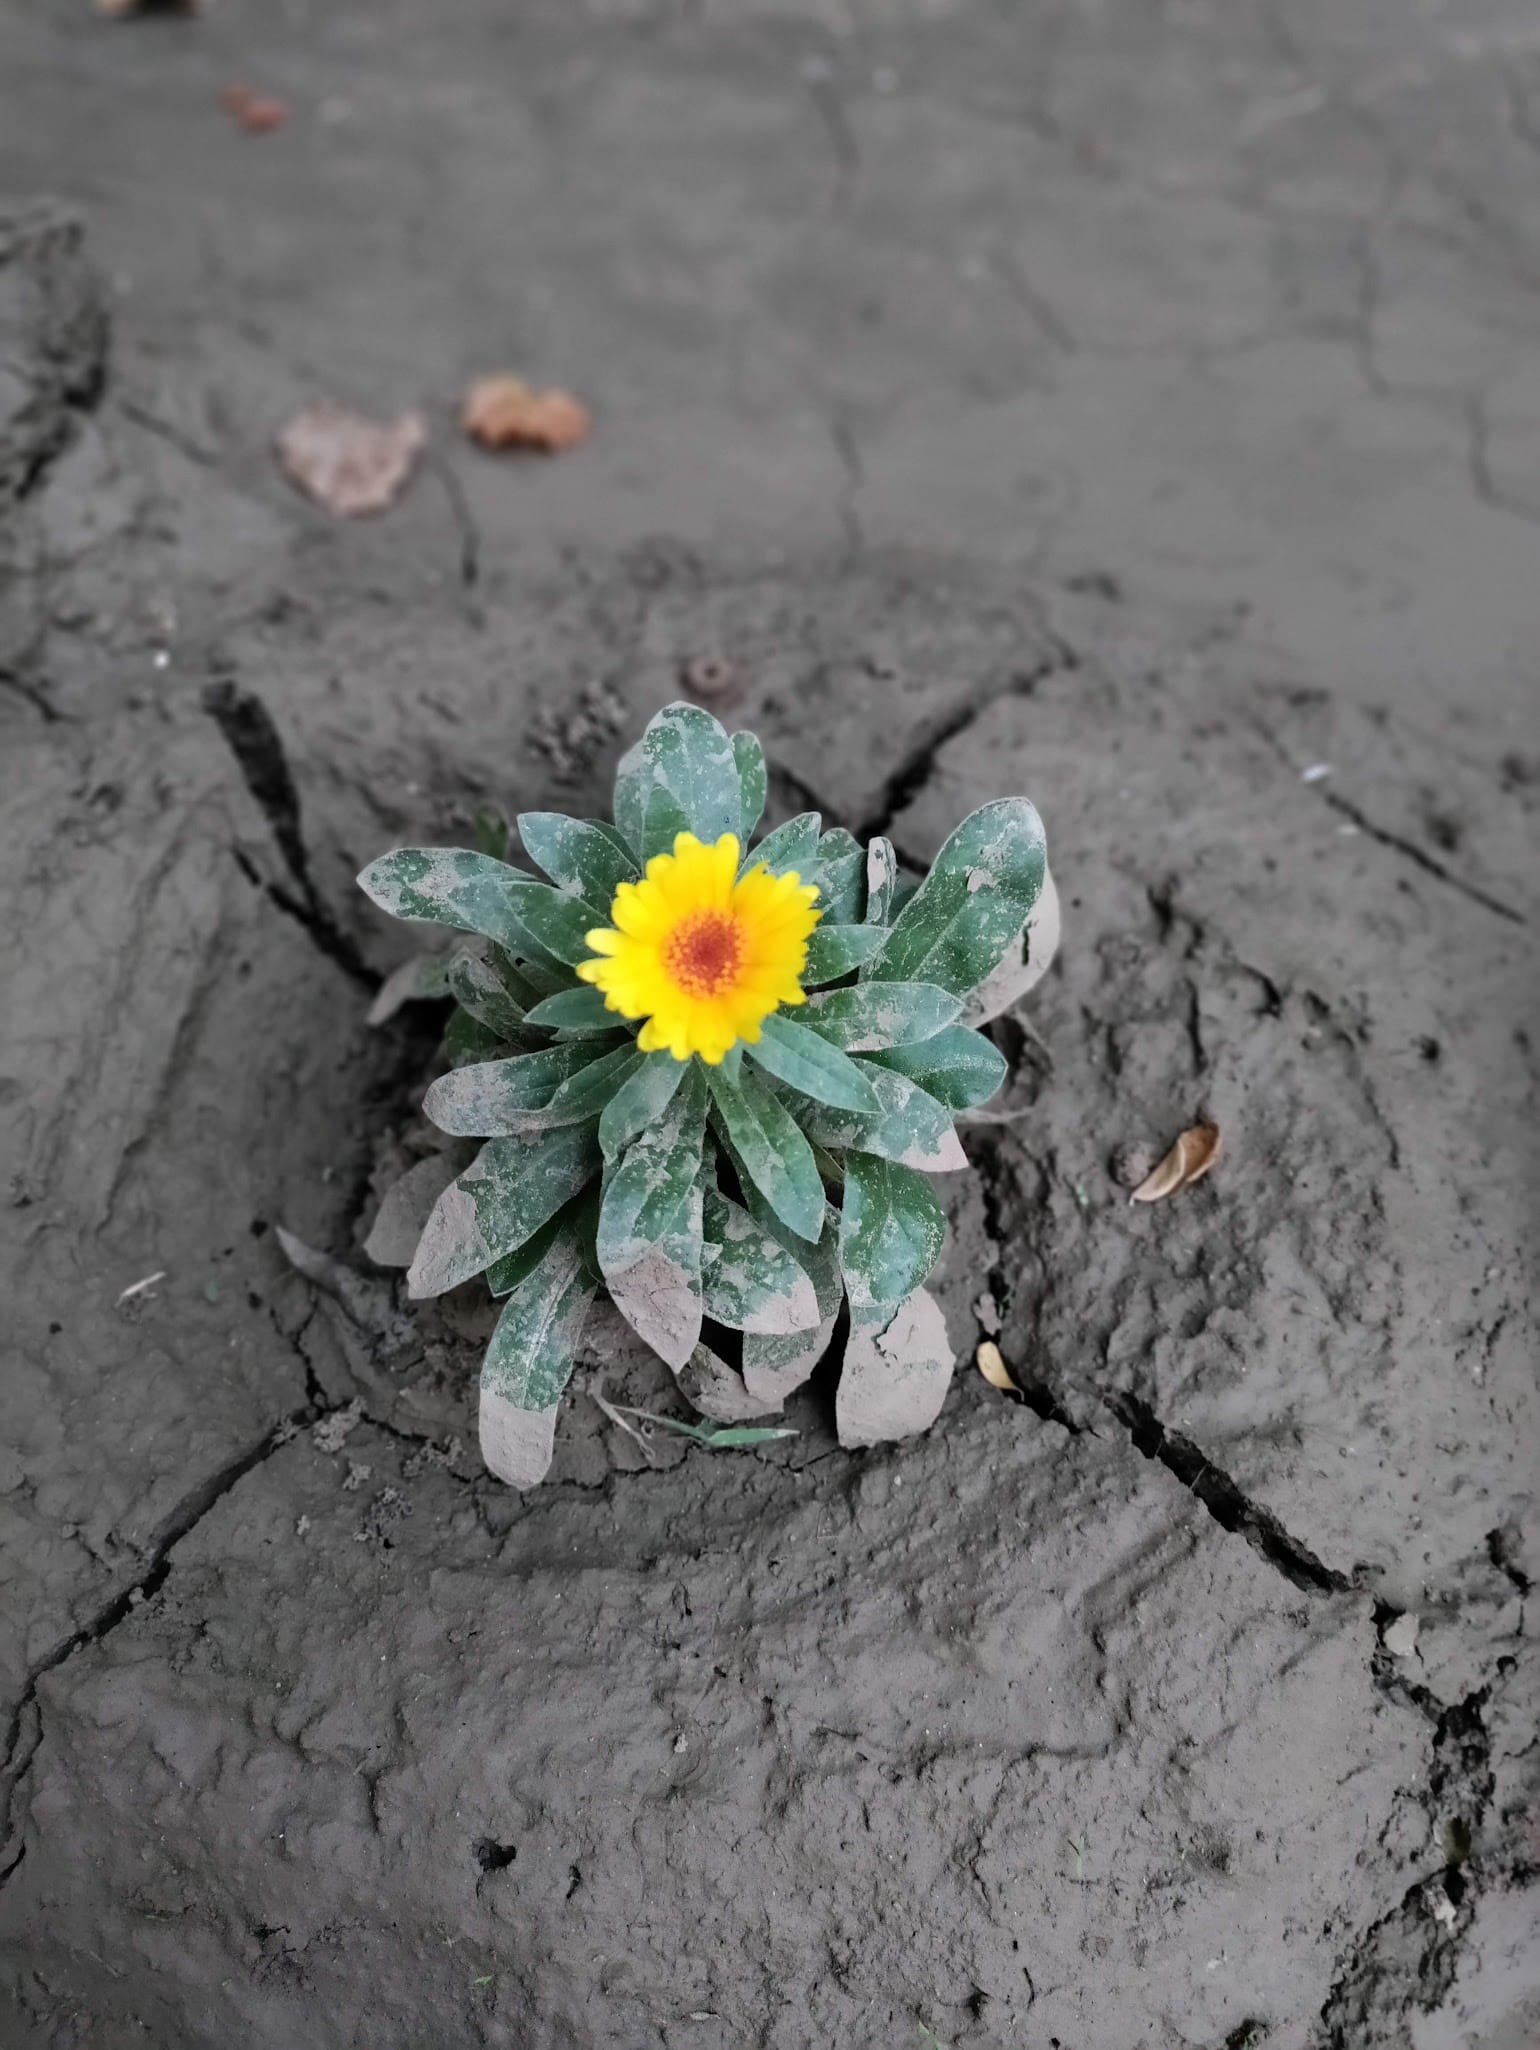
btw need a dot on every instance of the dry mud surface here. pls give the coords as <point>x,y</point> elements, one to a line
<point>1133,405</point>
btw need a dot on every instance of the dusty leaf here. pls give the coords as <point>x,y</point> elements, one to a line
<point>256,113</point>
<point>991,1364</point>
<point>1188,1161</point>
<point>405,1209</point>
<point>505,412</point>
<point>346,462</point>
<point>717,1390</point>
<point>897,1369</point>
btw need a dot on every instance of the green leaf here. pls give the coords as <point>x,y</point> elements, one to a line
<point>792,846</point>
<point>753,782</point>
<point>836,950</point>
<point>840,873</point>
<point>504,1276</point>
<point>495,1098</point>
<point>489,831</point>
<point>639,1101</point>
<point>774,1367</point>
<point>881,880</point>
<point>771,1150</point>
<point>687,753</point>
<point>449,886</point>
<point>721,1435</point>
<point>968,910</point>
<point>578,1217</point>
<point>552,923</point>
<point>651,1185</point>
<point>576,1010</point>
<point>752,1283</point>
<point>891,1230</point>
<point>528,981</point>
<point>509,1190</point>
<point>911,1127</point>
<point>467,1039</point>
<point>666,820</point>
<point>651,1228</point>
<point>958,1067</point>
<point>583,857</point>
<point>806,1061</point>
<point>529,1360</point>
<point>587,1092</point>
<point>478,987</point>
<point>881,1014</point>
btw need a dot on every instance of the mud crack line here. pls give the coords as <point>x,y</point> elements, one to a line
<point>1428,862</point>
<point>253,739</point>
<point>1224,1501</point>
<point>25,1731</point>
<point>1396,842</point>
<point>905,782</point>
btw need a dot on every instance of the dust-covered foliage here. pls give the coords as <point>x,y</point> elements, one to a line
<point>747,1199</point>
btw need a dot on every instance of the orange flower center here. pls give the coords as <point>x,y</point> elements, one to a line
<point>704,952</point>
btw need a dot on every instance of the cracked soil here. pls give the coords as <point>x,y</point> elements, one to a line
<point>1132,405</point>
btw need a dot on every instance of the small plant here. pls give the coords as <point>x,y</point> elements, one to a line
<point>713,1083</point>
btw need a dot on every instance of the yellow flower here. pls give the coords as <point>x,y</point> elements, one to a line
<point>704,958</point>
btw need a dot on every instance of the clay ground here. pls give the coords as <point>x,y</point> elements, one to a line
<point>1132,404</point>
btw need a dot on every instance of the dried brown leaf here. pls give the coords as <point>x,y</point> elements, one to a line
<point>1188,1161</point>
<point>991,1364</point>
<point>505,412</point>
<point>346,462</point>
<point>257,113</point>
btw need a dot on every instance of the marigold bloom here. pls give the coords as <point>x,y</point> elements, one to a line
<point>703,954</point>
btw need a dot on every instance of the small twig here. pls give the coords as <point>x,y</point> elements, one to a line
<point>616,1417</point>
<point>136,1288</point>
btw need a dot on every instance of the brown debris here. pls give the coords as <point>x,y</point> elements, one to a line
<point>991,1364</point>
<point>710,678</point>
<point>1188,1161</point>
<point>348,463</point>
<point>505,412</point>
<point>256,113</point>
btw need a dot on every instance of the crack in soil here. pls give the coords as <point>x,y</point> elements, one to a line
<point>1408,1958</point>
<point>914,769</point>
<point>24,1735</point>
<point>258,748</point>
<point>1396,842</point>
<point>25,1732</point>
<point>1230,1508</point>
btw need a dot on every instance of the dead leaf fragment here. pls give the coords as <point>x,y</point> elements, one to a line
<point>1188,1161</point>
<point>346,462</point>
<point>257,113</point>
<point>991,1364</point>
<point>505,412</point>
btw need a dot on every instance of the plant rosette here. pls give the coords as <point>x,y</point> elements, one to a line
<point>714,1079</point>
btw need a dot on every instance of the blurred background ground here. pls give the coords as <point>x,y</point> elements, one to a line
<point>1132,404</point>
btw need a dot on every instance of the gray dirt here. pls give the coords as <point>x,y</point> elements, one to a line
<point>1130,404</point>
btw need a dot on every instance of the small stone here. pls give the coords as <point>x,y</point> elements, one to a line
<point>1129,1165</point>
<point>1400,1637</point>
